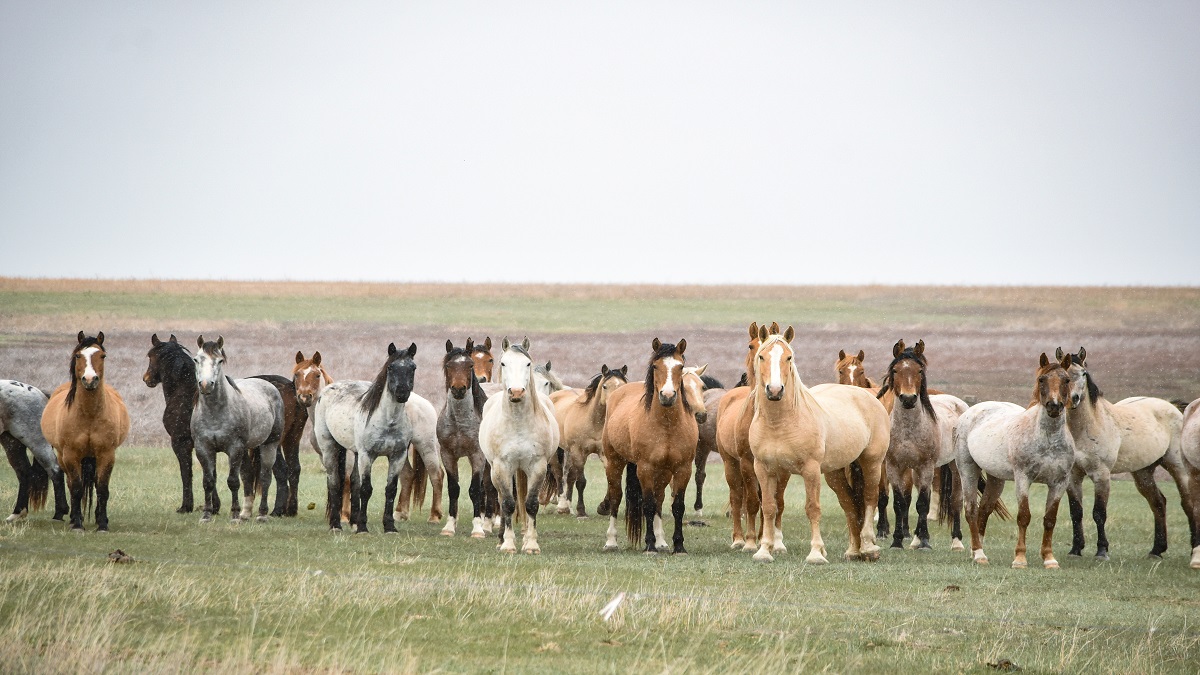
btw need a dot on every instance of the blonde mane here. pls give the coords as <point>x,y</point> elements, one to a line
<point>793,386</point>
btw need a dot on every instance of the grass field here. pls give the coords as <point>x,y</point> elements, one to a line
<point>287,595</point>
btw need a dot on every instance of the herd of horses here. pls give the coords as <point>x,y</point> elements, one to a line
<point>527,438</point>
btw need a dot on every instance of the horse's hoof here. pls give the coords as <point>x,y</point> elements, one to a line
<point>77,529</point>
<point>957,546</point>
<point>925,547</point>
<point>870,548</point>
<point>507,549</point>
<point>205,519</point>
<point>1102,557</point>
<point>478,535</point>
<point>1050,564</point>
<point>562,512</point>
<point>738,545</point>
<point>853,556</point>
<point>435,519</point>
<point>897,544</point>
<point>581,516</point>
<point>915,543</point>
<point>815,558</point>
<point>101,530</point>
<point>870,556</point>
<point>979,558</point>
<point>763,555</point>
<point>1154,556</point>
<point>16,517</point>
<point>609,548</point>
<point>533,551</point>
<point>448,533</point>
<point>59,517</point>
<point>335,530</point>
<point>263,519</point>
<point>1019,564</point>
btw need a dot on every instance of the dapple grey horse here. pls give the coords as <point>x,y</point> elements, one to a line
<point>21,407</point>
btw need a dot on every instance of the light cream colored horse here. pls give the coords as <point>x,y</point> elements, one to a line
<point>830,429</point>
<point>580,418</point>
<point>1191,457</point>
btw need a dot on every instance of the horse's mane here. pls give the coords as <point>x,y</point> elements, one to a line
<point>665,350</point>
<point>711,382</point>
<point>477,392</point>
<point>743,381</point>
<point>909,353</point>
<point>591,389</point>
<point>87,342</point>
<point>370,400</point>
<point>1093,388</point>
<point>797,392</point>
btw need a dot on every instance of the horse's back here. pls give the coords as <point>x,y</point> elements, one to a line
<point>948,409</point>
<point>336,410</point>
<point>21,407</point>
<point>855,421</point>
<point>1150,428</point>
<point>983,433</point>
<point>423,418</point>
<point>264,406</point>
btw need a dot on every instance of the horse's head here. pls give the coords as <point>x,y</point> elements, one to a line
<point>153,375</point>
<point>516,370</point>
<point>756,340</point>
<point>401,371</point>
<point>307,378</point>
<point>774,362</point>
<point>849,368</point>
<point>481,355</point>
<point>1053,387</point>
<point>611,380</point>
<point>547,380</point>
<point>693,391</point>
<point>1082,384</point>
<point>210,364</point>
<point>87,361</point>
<point>664,375</point>
<point>458,367</point>
<point>906,374</point>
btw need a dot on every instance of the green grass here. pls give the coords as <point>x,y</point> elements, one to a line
<point>288,595</point>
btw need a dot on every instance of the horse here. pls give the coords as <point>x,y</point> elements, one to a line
<point>481,357</point>
<point>243,418</point>
<point>355,422</point>
<point>580,417</point>
<point>458,435</point>
<point>518,435</point>
<point>922,443</point>
<point>308,378</point>
<point>171,365</point>
<point>85,421</point>
<point>1135,435</point>
<point>849,370</point>
<point>1025,445</point>
<point>652,439</point>
<point>1190,449</point>
<point>711,392</point>
<point>21,407</point>
<point>837,430</point>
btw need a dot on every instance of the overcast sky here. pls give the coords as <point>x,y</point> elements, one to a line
<point>733,142</point>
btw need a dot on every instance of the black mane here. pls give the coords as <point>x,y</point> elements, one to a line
<point>665,350</point>
<point>476,389</point>
<point>87,342</point>
<point>175,361</point>
<point>1093,388</point>
<point>371,399</point>
<point>592,388</point>
<point>886,386</point>
<point>711,382</point>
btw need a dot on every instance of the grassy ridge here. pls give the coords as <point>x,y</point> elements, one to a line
<point>288,595</point>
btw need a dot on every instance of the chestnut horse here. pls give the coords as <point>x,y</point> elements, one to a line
<point>650,432</point>
<point>1026,446</point>
<point>86,421</point>
<point>580,418</point>
<point>481,357</point>
<point>849,370</point>
<point>309,377</point>
<point>837,430</point>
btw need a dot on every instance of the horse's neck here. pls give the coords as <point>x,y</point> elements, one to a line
<point>219,399</point>
<point>597,410</point>
<point>1089,416</point>
<point>460,409</point>
<point>1052,428</point>
<point>90,401</point>
<point>390,409</point>
<point>668,416</point>
<point>915,419</point>
<point>180,385</point>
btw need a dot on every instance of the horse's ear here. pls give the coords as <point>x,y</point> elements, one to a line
<point>154,341</point>
<point>789,334</point>
<point>898,347</point>
<point>200,341</point>
<point>1058,353</point>
<point>624,370</point>
<point>920,348</point>
<point>412,350</point>
<point>762,334</point>
<point>299,357</point>
<point>862,356</point>
<point>547,366</point>
<point>701,369</point>
<point>604,369</point>
<point>391,348</point>
<point>100,338</point>
<point>80,337</point>
<point>1082,355</point>
<point>172,339</point>
<point>449,346</point>
<point>221,342</point>
<point>680,346</point>
<point>1044,361</point>
<point>774,328</point>
<point>487,343</point>
<point>1065,362</point>
<point>470,345</point>
<point>525,343</point>
<point>316,359</point>
<point>841,354</point>
<point>656,344</point>
<point>504,344</point>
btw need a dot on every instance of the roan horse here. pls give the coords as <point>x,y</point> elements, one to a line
<point>652,437</point>
<point>1136,435</point>
<point>1190,444</point>
<point>922,441</point>
<point>86,421</point>
<point>519,436</point>
<point>837,430</point>
<point>1026,446</point>
<point>580,418</point>
<point>458,435</point>
<point>21,407</point>
<point>356,422</point>
<point>242,418</point>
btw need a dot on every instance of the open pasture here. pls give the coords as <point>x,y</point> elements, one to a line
<point>287,595</point>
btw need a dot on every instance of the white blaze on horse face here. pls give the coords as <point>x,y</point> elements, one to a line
<point>89,370</point>
<point>776,379</point>
<point>670,363</point>
<point>850,370</point>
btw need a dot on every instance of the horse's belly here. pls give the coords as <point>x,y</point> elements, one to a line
<point>989,449</point>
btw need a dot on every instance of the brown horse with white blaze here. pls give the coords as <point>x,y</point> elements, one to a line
<point>650,431</point>
<point>849,370</point>
<point>86,421</point>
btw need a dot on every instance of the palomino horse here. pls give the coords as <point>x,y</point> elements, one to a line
<point>580,418</point>
<point>1026,446</point>
<point>837,430</point>
<point>309,377</point>
<point>1136,435</point>
<point>356,422</point>
<point>652,437</point>
<point>849,370</point>
<point>242,418</point>
<point>21,407</point>
<point>922,441</point>
<point>518,435</point>
<point>85,421</point>
<point>1190,445</point>
<point>458,435</point>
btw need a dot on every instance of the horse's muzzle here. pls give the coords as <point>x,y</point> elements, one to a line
<point>459,393</point>
<point>1054,408</point>
<point>516,395</point>
<point>702,417</point>
<point>149,380</point>
<point>667,401</point>
<point>909,401</point>
<point>774,393</point>
<point>91,384</point>
<point>304,399</point>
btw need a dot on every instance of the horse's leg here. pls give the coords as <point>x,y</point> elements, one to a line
<point>580,484</point>
<point>1144,480</point>
<point>908,487</point>
<point>208,481</point>
<point>780,488</point>
<point>679,483</point>
<point>249,479</point>
<point>841,487</point>
<point>733,477</point>
<point>1075,504</point>
<point>895,478</point>
<point>659,492</point>
<point>1194,479</point>
<point>993,489</point>
<point>395,466</point>
<point>1023,517</point>
<point>73,468</point>
<point>701,474</point>
<point>883,528</point>
<point>1172,461</point>
<point>646,478</point>
<point>450,465</point>
<point>478,466</point>
<point>502,478</point>
<point>182,447</point>
<point>1101,481</point>
<point>431,455</point>
<point>279,469</point>
<point>364,489</point>
<point>924,480</point>
<point>269,453</point>
<point>333,457</point>
<point>570,473</point>
<point>751,502</point>
<point>968,475</point>
<point>491,501</point>
<point>768,481</point>
<point>956,505</point>
<point>407,478</point>
<point>536,477</point>
<point>1054,495</point>
<point>18,459</point>
<point>612,501</point>
<point>104,467</point>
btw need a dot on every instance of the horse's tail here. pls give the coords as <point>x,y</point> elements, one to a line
<point>88,465</point>
<point>946,498</point>
<point>633,504</point>
<point>520,515</point>
<point>1000,510</point>
<point>858,493</point>
<point>39,486</point>
<point>419,475</point>
<point>255,460</point>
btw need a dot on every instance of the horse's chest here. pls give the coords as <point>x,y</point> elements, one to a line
<point>386,438</point>
<point>93,439</point>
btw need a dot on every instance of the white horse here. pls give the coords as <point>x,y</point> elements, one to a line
<point>238,417</point>
<point>1191,456</point>
<point>1009,442</point>
<point>355,422</point>
<point>518,435</point>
